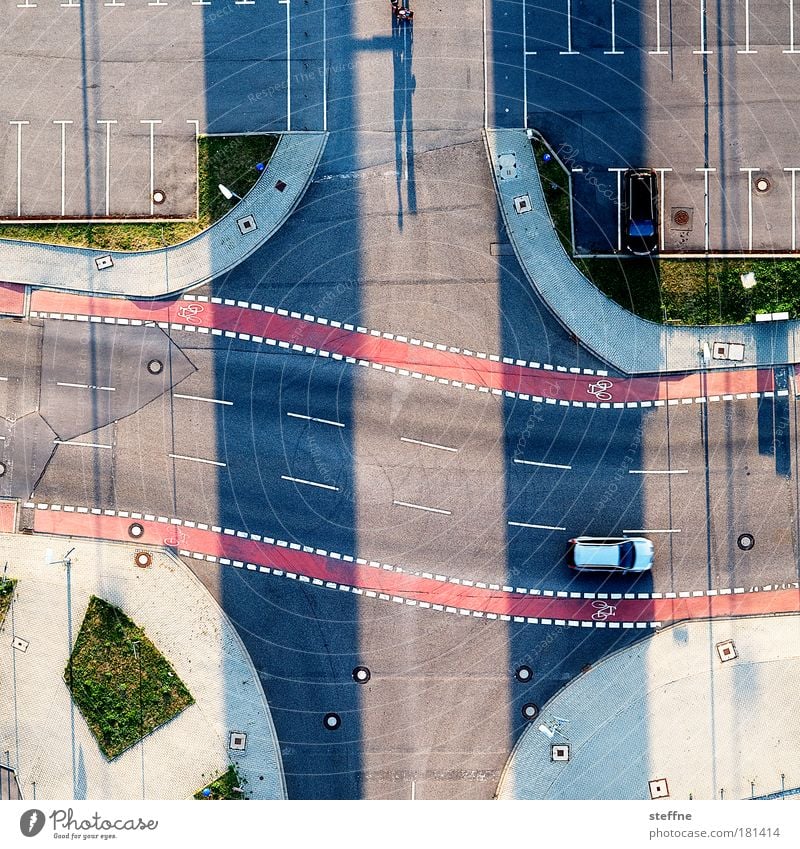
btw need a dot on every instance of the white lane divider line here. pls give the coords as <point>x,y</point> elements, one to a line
<point>428,444</point>
<point>81,444</point>
<point>198,460</point>
<point>658,471</point>
<point>3,378</point>
<point>200,398</point>
<point>537,527</point>
<point>87,386</point>
<point>652,531</point>
<point>309,483</point>
<point>538,463</point>
<point>422,507</point>
<point>315,419</point>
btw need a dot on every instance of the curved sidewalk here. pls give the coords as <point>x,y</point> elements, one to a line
<point>618,337</point>
<point>50,744</point>
<point>215,251</point>
<point>669,718</point>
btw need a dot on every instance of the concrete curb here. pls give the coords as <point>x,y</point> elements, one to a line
<point>626,342</point>
<point>215,251</point>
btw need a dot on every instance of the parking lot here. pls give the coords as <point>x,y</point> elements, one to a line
<point>704,94</point>
<point>101,102</point>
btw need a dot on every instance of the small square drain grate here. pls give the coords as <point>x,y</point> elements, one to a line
<point>246,225</point>
<point>659,789</point>
<point>727,651</point>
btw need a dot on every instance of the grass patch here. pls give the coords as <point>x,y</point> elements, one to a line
<point>230,160</point>
<point>690,291</point>
<point>222,787</point>
<point>6,596</point>
<point>105,680</point>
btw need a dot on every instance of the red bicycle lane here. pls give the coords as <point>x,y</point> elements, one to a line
<point>404,585</point>
<point>454,367</point>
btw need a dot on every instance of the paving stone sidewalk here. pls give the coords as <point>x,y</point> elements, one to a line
<point>51,745</point>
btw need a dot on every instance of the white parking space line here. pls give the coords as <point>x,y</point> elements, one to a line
<point>315,419</point>
<point>26,5</point>
<point>613,51</point>
<point>792,48</point>
<point>63,161</point>
<point>71,4</point>
<point>543,465</point>
<point>619,206</point>
<point>288,4</point>
<point>19,125</point>
<point>747,29</point>
<point>152,123</point>
<point>661,172</point>
<point>652,531</point>
<point>750,172</point>
<point>3,378</point>
<point>197,460</point>
<point>569,51</point>
<point>81,444</point>
<point>114,3</point>
<point>794,205</point>
<point>537,527</point>
<point>658,471</point>
<point>309,483</point>
<point>658,49</point>
<point>428,444</point>
<point>706,172</point>
<point>156,3</point>
<point>108,124</point>
<point>703,40</point>
<point>200,398</point>
<point>87,386</point>
<point>422,507</point>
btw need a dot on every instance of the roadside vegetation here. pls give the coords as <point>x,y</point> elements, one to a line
<point>7,587</point>
<point>230,160</point>
<point>690,291</point>
<point>224,787</point>
<point>104,671</point>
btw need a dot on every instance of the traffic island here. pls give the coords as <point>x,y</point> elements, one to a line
<point>120,681</point>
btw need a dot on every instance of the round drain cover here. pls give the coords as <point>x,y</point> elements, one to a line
<point>2,469</point>
<point>331,721</point>
<point>680,218</point>
<point>155,366</point>
<point>143,559</point>
<point>159,196</point>
<point>523,674</point>
<point>530,711</point>
<point>135,530</point>
<point>361,674</point>
<point>746,542</point>
<point>762,184</point>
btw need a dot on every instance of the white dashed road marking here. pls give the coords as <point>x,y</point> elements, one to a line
<point>544,465</point>
<point>310,483</point>
<point>315,419</point>
<point>538,527</point>
<point>427,444</point>
<point>422,507</point>
<point>198,460</point>
<point>199,398</point>
<point>658,471</point>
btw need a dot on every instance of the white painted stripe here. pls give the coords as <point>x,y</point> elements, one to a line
<point>309,483</point>
<point>652,531</point>
<point>538,527</point>
<point>315,419</point>
<point>79,444</point>
<point>427,444</point>
<point>87,386</point>
<point>421,507</point>
<point>200,398</point>
<point>197,460</point>
<point>658,471</point>
<point>537,463</point>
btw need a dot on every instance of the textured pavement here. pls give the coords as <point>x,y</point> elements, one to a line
<point>52,746</point>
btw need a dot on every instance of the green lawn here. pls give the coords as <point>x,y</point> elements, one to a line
<point>105,680</point>
<point>230,160</point>
<point>222,787</point>
<point>690,291</point>
<point>6,595</point>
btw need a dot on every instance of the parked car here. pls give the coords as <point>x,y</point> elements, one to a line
<point>641,211</point>
<point>610,554</point>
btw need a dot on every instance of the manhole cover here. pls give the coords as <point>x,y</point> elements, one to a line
<point>746,542</point>
<point>159,196</point>
<point>143,559</point>
<point>524,673</point>
<point>530,711</point>
<point>681,218</point>
<point>155,366</point>
<point>762,184</point>
<point>2,469</point>
<point>361,674</point>
<point>331,721</point>
<point>135,530</point>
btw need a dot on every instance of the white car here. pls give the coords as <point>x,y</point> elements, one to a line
<point>610,554</point>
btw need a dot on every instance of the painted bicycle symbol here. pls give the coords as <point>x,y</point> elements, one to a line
<point>177,540</point>
<point>600,389</point>
<point>603,611</point>
<point>190,312</point>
